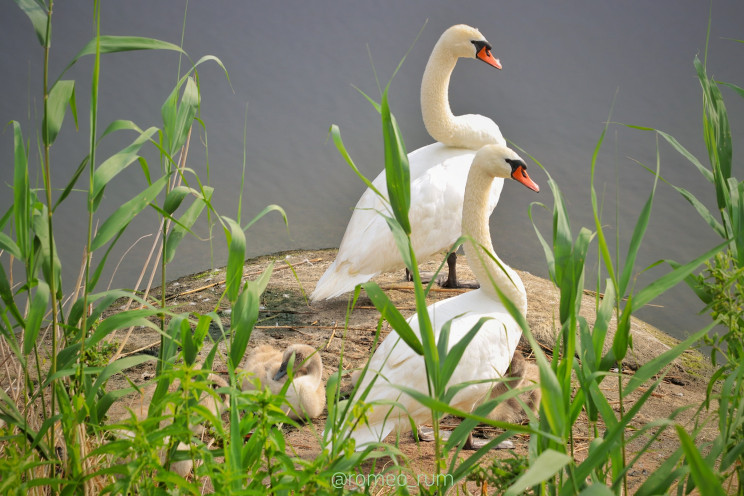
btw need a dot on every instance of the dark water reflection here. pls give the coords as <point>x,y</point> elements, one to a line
<point>292,66</point>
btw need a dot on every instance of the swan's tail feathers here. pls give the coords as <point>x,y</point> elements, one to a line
<point>337,280</point>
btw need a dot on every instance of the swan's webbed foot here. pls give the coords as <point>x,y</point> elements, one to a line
<point>427,434</point>
<point>473,443</point>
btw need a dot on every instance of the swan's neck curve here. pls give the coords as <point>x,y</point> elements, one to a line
<point>314,369</point>
<point>463,131</point>
<point>475,224</point>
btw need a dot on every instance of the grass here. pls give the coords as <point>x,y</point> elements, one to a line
<point>55,436</point>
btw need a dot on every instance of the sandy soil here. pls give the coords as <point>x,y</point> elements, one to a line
<point>287,318</point>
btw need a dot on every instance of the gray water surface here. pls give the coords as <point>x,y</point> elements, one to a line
<point>292,67</point>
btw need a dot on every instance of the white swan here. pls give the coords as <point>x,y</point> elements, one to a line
<point>489,353</point>
<point>306,395</point>
<point>438,173</point>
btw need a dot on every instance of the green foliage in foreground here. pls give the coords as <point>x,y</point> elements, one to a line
<point>55,436</point>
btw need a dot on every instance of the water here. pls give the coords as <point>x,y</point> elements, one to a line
<point>292,65</point>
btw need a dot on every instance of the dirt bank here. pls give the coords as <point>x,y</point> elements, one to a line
<point>286,318</point>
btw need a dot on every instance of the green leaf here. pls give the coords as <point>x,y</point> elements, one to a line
<point>38,16</point>
<point>71,183</point>
<point>245,314</point>
<point>35,316</point>
<point>187,220</point>
<point>175,197</point>
<point>336,135</point>
<point>402,242</point>
<point>393,316</point>
<point>109,370</point>
<point>396,167</point>
<point>597,489</point>
<point>235,258</point>
<point>113,165</point>
<point>654,366</point>
<point>61,94</point>
<point>702,474</point>
<point>638,233</point>
<point>671,279</point>
<point>707,174</point>
<point>188,347</point>
<point>543,468</point>
<point>7,244</point>
<point>21,192</point>
<point>703,211</point>
<point>177,119</point>
<point>453,356</point>
<point>266,210</point>
<point>113,44</point>
<point>119,220</point>
<point>6,294</point>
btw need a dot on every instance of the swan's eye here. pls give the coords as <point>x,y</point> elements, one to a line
<point>481,45</point>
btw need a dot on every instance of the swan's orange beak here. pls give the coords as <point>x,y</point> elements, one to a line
<point>520,174</point>
<point>486,56</point>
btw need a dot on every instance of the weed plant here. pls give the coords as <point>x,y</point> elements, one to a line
<point>721,469</point>
<point>584,356</point>
<point>54,433</point>
<point>55,436</point>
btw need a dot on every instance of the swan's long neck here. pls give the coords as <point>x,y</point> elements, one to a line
<point>435,108</point>
<point>315,369</point>
<point>475,224</point>
<point>463,131</point>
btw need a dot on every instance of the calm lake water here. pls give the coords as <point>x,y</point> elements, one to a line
<point>292,66</point>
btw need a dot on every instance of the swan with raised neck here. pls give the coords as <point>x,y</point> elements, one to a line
<point>463,131</point>
<point>490,162</point>
<point>488,355</point>
<point>438,172</point>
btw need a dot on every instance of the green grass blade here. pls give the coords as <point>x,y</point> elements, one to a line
<point>38,15</point>
<point>109,370</point>
<point>452,357</point>
<point>702,474</point>
<point>61,94</point>
<point>396,168</point>
<point>393,316</point>
<point>638,233</point>
<point>266,210</point>
<point>117,163</point>
<point>703,211</point>
<point>113,44</point>
<point>549,257</point>
<point>36,313</point>
<point>235,258</point>
<point>119,220</point>
<point>336,136</point>
<point>654,366</point>
<point>707,174</point>
<point>185,222</point>
<point>671,279</point>
<point>21,192</point>
<point>542,468</point>
<point>245,314</point>
<point>7,244</point>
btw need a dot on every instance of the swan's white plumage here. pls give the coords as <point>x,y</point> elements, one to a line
<point>368,248</point>
<point>438,173</point>
<point>488,355</point>
<point>494,345</point>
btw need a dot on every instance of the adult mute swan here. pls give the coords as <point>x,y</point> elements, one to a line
<point>489,354</point>
<point>438,173</point>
